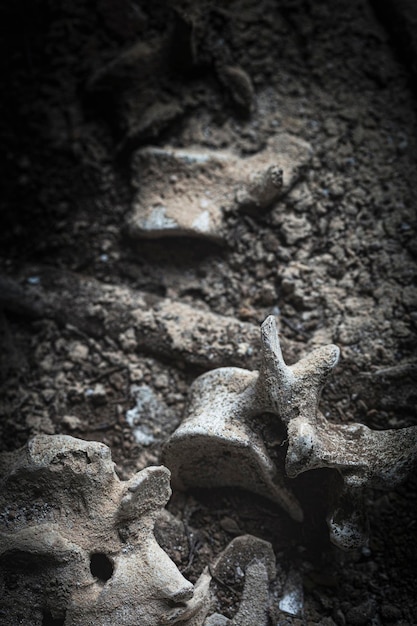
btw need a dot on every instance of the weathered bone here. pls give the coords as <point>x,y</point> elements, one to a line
<point>185,192</point>
<point>61,505</point>
<point>253,558</point>
<point>160,326</point>
<point>216,444</point>
<point>80,541</point>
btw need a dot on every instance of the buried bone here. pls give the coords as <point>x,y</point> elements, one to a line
<point>160,326</point>
<point>79,545</point>
<point>216,444</point>
<point>254,559</point>
<point>186,192</point>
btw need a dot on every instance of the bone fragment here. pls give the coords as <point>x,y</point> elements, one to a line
<point>186,192</point>
<point>80,544</point>
<point>160,326</point>
<point>254,559</point>
<point>216,444</point>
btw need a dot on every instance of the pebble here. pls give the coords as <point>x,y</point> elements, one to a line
<point>78,352</point>
<point>294,229</point>
<point>292,601</point>
<point>216,620</point>
<point>150,416</point>
<point>361,614</point>
<point>72,422</point>
<point>390,613</point>
<point>97,394</point>
<point>230,526</point>
<point>339,617</point>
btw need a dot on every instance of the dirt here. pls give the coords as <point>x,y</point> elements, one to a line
<point>87,85</point>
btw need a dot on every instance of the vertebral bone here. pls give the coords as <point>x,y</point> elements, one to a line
<point>77,544</point>
<point>217,446</point>
<point>186,192</point>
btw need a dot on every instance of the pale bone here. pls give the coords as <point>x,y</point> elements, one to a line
<point>255,559</point>
<point>61,502</point>
<point>215,445</point>
<point>185,192</point>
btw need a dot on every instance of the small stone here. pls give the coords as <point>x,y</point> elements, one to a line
<point>360,615</point>
<point>390,613</point>
<point>72,422</point>
<point>239,83</point>
<point>48,394</point>
<point>78,352</point>
<point>128,340</point>
<point>217,620</point>
<point>230,526</point>
<point>33,280</point>
<point>40,424</point>
<point>135,374</point>
<point>331,127</point>
<point>292,601</point>
<point>339,617</point>
<point>150,416</point>
<point>267,295</point>
<point>161,381</point>
<point>301,198</point>
<point>47,364</point>
<point>244,349</point>
<point>295,229</point>
<point>97,395</point>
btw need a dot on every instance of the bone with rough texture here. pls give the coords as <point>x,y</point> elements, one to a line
<point>217,446</point>
<point>77,544</point>
<point>160,326</point>
<point>185,192</point>
<point>253,558</point>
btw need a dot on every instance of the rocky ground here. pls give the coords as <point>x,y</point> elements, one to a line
<point>109,313</point>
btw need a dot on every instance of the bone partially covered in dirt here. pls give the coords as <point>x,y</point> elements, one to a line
<point>186,192</point>
<point>253,559</point>
<point>160,326</point>
<point>217,444</point>
<point>79,543</point>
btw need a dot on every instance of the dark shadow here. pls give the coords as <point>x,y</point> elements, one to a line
<point>184,251</point>
<point>48,620</point>
<point>101,567</point>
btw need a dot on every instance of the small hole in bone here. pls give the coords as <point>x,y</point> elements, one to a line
<point>100,566</point>
<point>48,620</point>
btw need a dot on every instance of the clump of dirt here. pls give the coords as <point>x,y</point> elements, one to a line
<point>334,259</point>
